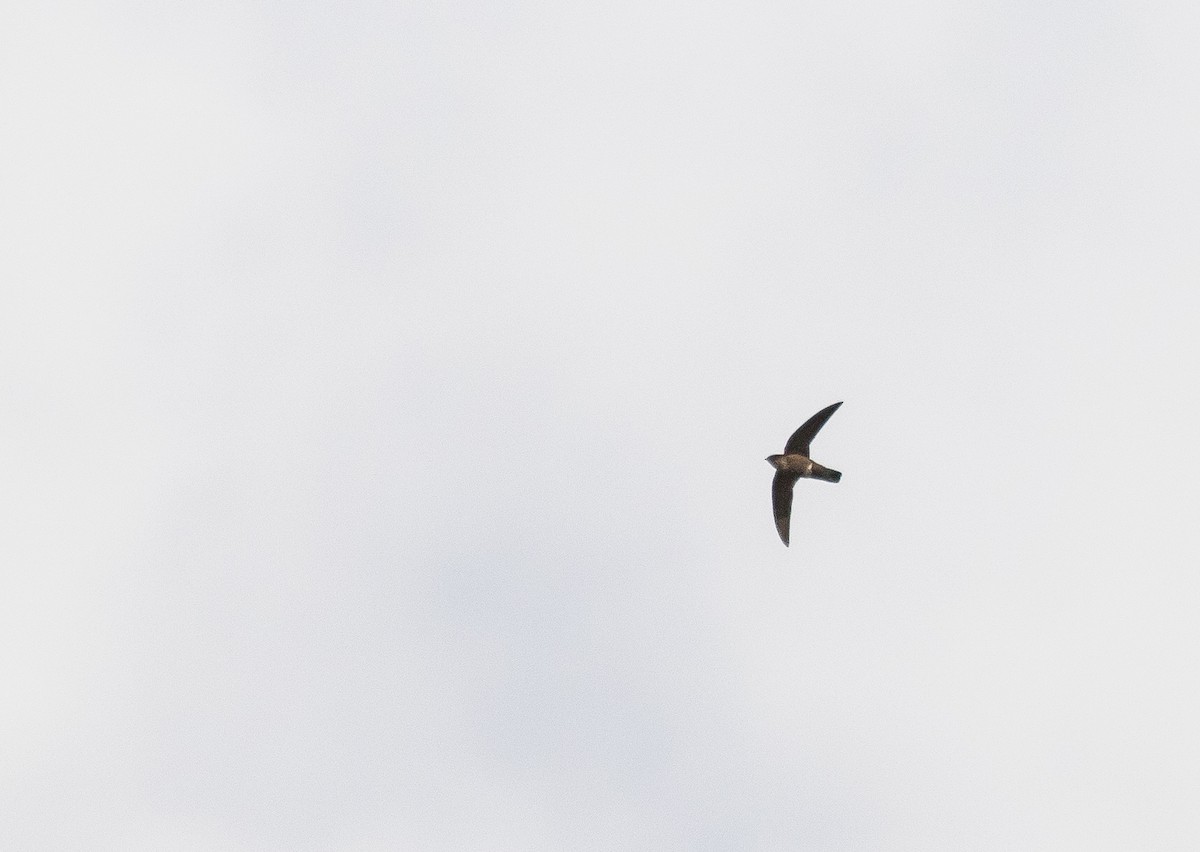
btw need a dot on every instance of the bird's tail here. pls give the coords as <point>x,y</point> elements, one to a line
<point>826,474</point>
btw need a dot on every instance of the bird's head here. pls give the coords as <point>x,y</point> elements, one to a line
<point>774,460</point>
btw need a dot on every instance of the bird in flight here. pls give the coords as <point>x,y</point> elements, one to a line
<point>794,463</point>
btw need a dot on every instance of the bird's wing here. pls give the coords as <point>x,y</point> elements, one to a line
<point>781,500</point>
<point>802,437</point>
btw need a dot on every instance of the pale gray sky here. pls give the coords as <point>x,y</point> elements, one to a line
<point>386,389</point>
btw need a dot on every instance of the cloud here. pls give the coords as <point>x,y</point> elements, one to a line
<point>388,392</point>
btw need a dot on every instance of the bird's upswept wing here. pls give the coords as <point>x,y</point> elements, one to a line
<point>781,500</point>
<point>802,438</point>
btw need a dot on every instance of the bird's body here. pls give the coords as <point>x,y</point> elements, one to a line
<point>803,467</point>
<point>794,463</point>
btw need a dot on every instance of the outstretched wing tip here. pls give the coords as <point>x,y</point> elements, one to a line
<point>781,503</point>
<point>801,439</point>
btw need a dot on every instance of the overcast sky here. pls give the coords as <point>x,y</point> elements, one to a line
<point>386,388</point>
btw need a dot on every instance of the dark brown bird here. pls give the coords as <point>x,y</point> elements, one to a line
<point>794,464</point>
